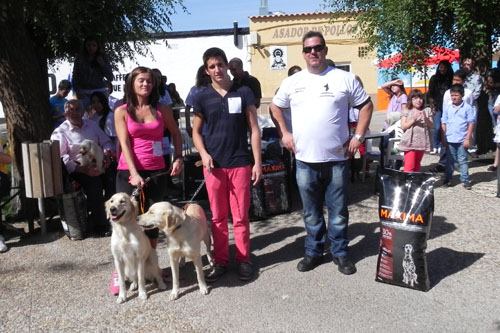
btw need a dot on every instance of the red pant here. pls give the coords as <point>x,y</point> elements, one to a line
<point>230,187</point>
<point>412,160</point>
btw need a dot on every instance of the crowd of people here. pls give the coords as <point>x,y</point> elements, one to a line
<point>453,125</point>
<point>136,134</point>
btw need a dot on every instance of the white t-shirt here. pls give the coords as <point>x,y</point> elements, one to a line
<point>468,98</point>
<point>320,109</point>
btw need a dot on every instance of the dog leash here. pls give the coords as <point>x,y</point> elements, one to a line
<point>138,191</point>
<point>139,188</point>
<point>201,186</point>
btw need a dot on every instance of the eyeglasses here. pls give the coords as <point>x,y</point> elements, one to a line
<point>317,48</point>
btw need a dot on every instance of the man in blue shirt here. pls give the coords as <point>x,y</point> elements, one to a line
<point>457,124</point>
<point>227,110</point>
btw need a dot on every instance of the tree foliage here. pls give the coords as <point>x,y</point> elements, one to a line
<point>411,27</point>
<point>34,33</point>
<point>59,26</point>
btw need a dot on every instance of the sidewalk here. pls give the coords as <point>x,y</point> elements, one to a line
<point>60,285</point>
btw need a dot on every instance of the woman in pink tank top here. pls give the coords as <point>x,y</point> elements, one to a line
<point>139,127</point>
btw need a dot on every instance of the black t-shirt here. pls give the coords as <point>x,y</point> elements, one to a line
<point>226,126</point>
<point>254,85</point>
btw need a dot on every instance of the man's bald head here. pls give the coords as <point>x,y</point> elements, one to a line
<point>236,68</point>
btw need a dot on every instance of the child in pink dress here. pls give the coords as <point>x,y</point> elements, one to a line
<point>416,123</point>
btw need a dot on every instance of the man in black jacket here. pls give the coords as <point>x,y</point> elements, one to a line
<point>242,77</point>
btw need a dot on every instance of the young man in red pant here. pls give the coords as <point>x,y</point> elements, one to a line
<point>227,111</point>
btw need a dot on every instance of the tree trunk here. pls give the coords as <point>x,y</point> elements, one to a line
<point>24,85</point>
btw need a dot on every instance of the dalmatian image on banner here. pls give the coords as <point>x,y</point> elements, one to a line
<point>278,58</point>
<point>409,269</point>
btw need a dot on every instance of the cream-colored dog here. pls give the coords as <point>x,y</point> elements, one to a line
<point>91,154</point>
<point>135,259</point>
<point>185,231</point>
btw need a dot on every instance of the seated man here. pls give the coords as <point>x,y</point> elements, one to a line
<point>70,134</point>
<point>4,190</point>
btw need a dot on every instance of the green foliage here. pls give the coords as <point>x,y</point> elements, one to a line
<point>410,27</point>
<point>59,26</point>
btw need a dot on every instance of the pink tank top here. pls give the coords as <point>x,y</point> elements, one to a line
<point>146,144</point>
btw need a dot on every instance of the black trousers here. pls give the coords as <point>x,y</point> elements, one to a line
<point>154,190</point>
<point>93,188</point>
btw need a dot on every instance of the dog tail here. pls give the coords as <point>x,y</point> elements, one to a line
<point>192,209</point>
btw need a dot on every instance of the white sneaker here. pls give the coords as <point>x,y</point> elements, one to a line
<point>3,246</point>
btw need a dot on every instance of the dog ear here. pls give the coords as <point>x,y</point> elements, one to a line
<point>106,208</point>
<point>134,204</point>
<point>170,219</point>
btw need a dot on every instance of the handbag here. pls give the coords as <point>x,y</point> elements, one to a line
<point>73,213</point>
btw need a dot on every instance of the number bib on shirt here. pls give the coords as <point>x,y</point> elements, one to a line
<point>157,149</point>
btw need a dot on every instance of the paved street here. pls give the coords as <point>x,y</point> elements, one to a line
<point>55,284</point>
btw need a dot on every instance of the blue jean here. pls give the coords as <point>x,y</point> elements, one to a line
<point>456,153</point>
<point>436,134</point>
<point>324,183</point>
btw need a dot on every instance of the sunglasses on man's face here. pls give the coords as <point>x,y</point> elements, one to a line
<point>317,48</point>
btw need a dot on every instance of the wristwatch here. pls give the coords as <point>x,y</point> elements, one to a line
<point>359,137</point>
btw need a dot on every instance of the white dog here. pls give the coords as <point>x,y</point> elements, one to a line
<point>91,154</point>
<point>185,230</point>
<point>135,259</point>
<point>409,269</point>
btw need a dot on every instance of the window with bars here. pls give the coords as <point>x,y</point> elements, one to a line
<point>363,51</point>
<point>344,66</point>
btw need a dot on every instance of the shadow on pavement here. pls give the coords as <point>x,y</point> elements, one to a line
<point>35,238</point>
<point>262,241</point>
<point>289,252</point>
<point>444,262</point>
<point>369,245</point>
<point>359,191</point>
<point>440,227</point>
<point>482,177</point>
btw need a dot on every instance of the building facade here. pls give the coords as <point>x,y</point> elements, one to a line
<point>275,44</point>
<point>177,55</point>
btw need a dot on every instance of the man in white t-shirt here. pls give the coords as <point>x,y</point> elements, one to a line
<point>459,78</point>
<point>320,98</point>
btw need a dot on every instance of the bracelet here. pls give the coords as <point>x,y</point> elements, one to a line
<point>178,157</point>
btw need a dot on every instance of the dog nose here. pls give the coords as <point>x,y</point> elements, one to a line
<point>112,210</point>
